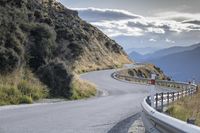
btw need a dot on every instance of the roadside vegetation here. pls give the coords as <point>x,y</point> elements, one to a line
<point>21,87</point>
<point>82,89</point>
<point>188,107</point>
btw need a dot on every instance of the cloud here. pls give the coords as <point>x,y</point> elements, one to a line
<point>192,21</point>
<point>169,41</point>
<point>177,16</point>
<point>156,30</point>
<point>164,29</point>
<point>152,40</point>
<point>95,14</point>
<point>120,22</point>
<point>113,29</point>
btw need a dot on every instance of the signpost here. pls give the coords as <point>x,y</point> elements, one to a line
<point>153,89</point>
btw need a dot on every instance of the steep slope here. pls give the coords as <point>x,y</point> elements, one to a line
<point>54,43</point>
<point>181,66</point>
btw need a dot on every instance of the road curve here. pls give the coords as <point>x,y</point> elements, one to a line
<point>94,115</point>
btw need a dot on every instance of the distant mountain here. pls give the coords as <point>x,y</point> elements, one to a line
<point>142,51</point>
<point>181,63</point>
<point>161,53</point>
<point>136,56</point>
<point>181,66</point>
<point>171,50</point>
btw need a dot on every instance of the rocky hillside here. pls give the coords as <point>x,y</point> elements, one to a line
<point>145,72</point>
<point>53,42</point>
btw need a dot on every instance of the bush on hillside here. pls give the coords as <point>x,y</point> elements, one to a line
<point>9,60</point>
<point>57,77</point>
<point>41,46</point>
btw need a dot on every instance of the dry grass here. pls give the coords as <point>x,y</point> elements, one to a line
<point>86,64</point>
<point>144,72</point>
<point>82,89</point>
<point>21,87</point>
<point>186,108</point>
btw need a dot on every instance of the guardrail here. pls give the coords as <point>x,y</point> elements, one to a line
<point>163,99</point>
<point>170,84</point>
<point>154,120</point>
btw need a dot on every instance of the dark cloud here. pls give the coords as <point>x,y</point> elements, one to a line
<point>196,22</point>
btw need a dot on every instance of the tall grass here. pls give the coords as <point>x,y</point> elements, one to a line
<point>188,107</point>
<point>21,87</point>
<point>82,89</point>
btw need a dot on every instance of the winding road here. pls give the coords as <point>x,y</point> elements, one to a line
<point>113,112</point>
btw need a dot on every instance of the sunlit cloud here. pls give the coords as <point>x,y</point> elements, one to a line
<point>152,40</point>
<point>177,16</point>
<point>156,30</point>
<point>95,14</point>
<point>164,29</point>
<point>120,22</point>
<point>169,41</point>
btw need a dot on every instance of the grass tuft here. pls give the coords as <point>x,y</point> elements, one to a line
<point>21,87</point>
<point>82,89</point>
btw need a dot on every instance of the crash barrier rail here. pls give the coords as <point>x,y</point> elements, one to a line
<point>163,99</point>
<point>155,121</point>
<point>165,83</point>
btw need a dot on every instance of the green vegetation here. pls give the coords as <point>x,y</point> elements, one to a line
<point>21,87</point>
<point>56,45</point>
<point>82,89</point>
<point>188,107</point>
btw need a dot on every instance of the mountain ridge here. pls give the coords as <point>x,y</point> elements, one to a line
<point>54,44</point>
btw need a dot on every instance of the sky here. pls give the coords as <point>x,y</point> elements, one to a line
<point>143,25</point>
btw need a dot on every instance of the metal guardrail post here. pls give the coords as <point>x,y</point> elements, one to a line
<point>156,101</point>
<point>182,93</point>
<point>167,98</point>
<point>148,100</point>
<point>173,96</point>
<point>162,102</point>
<point>178,96</point>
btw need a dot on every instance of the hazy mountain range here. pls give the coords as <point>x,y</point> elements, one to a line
<point>182,63</point>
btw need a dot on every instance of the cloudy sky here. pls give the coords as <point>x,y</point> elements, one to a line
<point>143,25</point>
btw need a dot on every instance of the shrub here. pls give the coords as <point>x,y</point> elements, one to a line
<point>56,76</point>
<point>42,42</point>
<point>9,60</point>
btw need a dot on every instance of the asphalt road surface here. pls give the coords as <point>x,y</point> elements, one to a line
<point>112,112</point>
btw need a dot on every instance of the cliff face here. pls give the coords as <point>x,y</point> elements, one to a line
<point>52,41</point>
